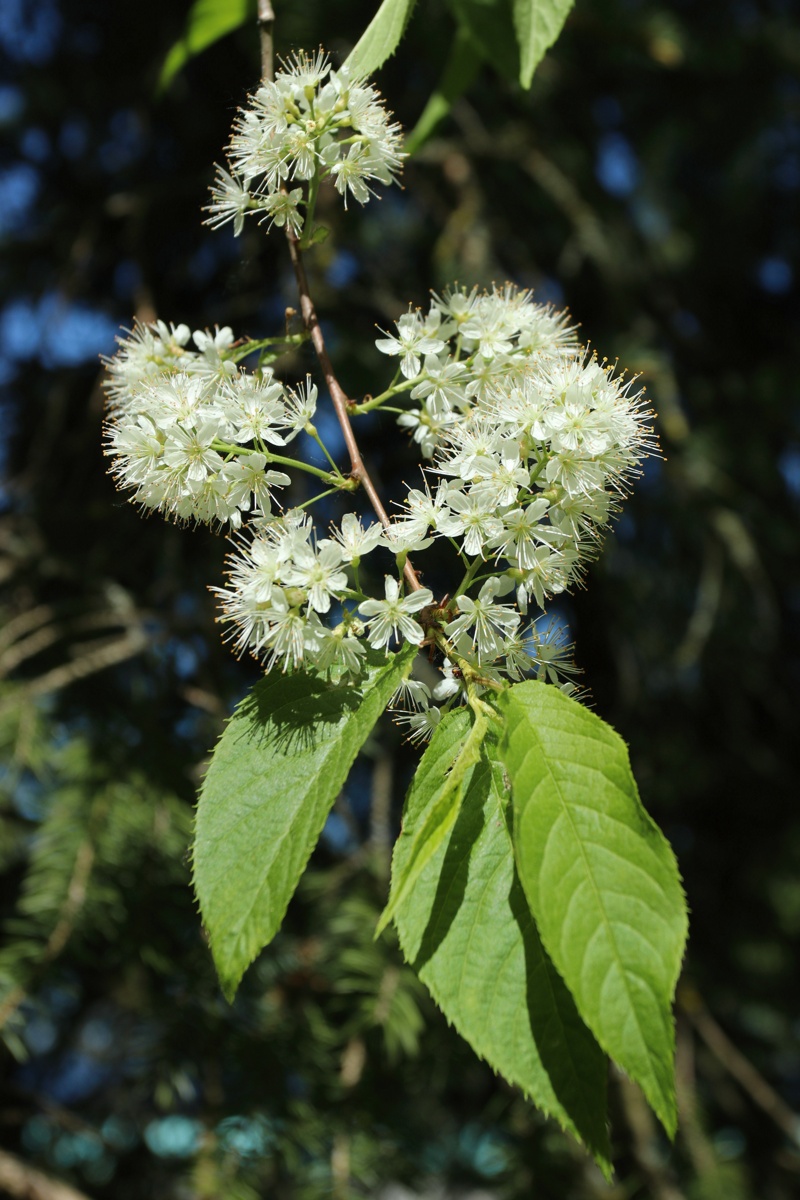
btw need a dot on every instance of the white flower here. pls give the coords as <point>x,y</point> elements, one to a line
<point>301,404</point>
<point>318,573</point>
<point>189,451</point>
<point>289,635</point>
<point>442,383</point>
<point>230,201</point>
<point>429,430</point>
<point>451,684</point>
<point>523,532</point>
<point>412,340</point>
<point>500,476</point>
<point>255,409</point>
<point>475,519</point>
<point>494,623</point>
<point>544,577</point>
<point>281,210</point>
<point>411,693</point>
<point>149,352</point>
<point>303,72</point>
<point>246,476</point>
<point>352,171</point>
<point>354,540</point>
<point>421,725</point>
<point>405,537</point>
<point>392,616</point>
<point>304,126</point>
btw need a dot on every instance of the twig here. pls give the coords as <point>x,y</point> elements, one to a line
<point>97,657</point>
<point>742,1070</point>
<point>266,21</point>
<point>694,1136</point>
<point>23,648</point>
<point>644,1143</point>
<point>19,1180</point>
<point>18,626</point>
<point>61,933</point>
<point>340,400</point>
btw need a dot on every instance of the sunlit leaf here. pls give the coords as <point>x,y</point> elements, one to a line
<point>275,773</point>
<point>467,930</point>
<point>381,37</point>
<point>600,878</point>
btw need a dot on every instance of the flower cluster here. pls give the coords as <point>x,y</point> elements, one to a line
<point>532,440</point>
<point>189,431</point>
<point>529,441</point>
<point>283,580</point>
<point>309,124</point>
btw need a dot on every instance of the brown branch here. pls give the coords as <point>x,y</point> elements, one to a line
<point>24,623</point>
<point>19,1180</point>
<point>358,470</point>
<point>699,1148</point>
<point>266,22</point>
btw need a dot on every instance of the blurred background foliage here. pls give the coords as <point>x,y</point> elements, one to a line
<point>650,180</point>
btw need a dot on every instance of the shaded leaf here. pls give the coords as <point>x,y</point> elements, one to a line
<point>467,930</point>
<point>423,840</point>
<point>601,880</point>
<point>459,73</point>
<point>490,25</point>
<point>275,773</point>
<point>207,22</point>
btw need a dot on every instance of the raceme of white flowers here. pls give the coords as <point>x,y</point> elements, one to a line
<point>311,123</point>
<point>191,432</point>
<point>529,442</point>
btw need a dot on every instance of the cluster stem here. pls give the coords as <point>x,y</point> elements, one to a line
<point>341,403</point>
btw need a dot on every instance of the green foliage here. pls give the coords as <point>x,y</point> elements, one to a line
<point>537,24</point>
<point>422,842</point>
<point>466,928</point>
<point>275,774</point>
<point>459,73</point>
<point>206,23</point>
<point>490,25</point>
<point>600,878</point>
<point>513,36</point>
<point>709,715</point>
<point>381,37</point>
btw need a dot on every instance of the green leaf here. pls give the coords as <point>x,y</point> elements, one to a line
<point>490,25</point>
<point>381,37</point>
<point>424,840</point>
<point>275,773</point>
<point>459,73</point>
<point>207,22</point>
<point>537,24</point>
<point>601,880</point>
<point>467,930</point>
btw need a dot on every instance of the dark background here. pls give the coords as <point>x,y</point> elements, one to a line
<point>650,181</point>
